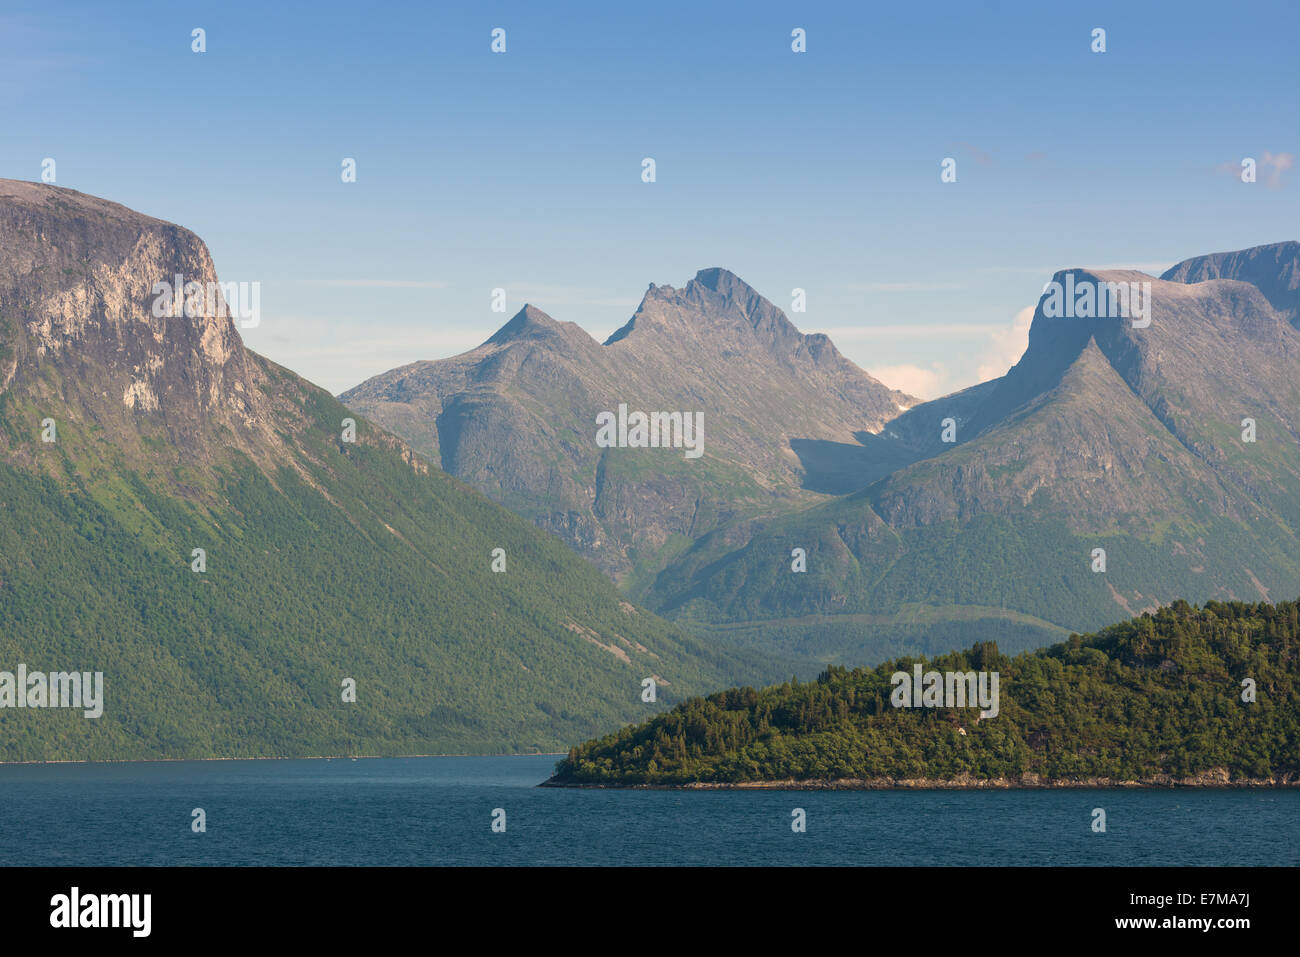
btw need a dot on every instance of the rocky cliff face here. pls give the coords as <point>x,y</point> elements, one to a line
<point>782,414</point>
<point>77,279</point>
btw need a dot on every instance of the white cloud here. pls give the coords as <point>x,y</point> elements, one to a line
<point>1272,165</point>
<point>1006,346</point>
<point>913,379</point>
<point>1280,163</point>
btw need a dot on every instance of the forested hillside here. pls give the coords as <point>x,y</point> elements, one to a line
<point>1157,699</point>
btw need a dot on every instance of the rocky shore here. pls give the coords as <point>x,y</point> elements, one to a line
<point>1214,778</point>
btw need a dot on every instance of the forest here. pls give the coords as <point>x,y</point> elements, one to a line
<point>1181,692</point>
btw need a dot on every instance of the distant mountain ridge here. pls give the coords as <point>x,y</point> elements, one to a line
<point>516,418</point>
<point>1273,269</point>
<point>1104,435</point>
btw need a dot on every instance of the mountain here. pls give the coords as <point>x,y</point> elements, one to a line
<point>1189,696</point>
<point>325,561</point>
<point>1273,269</point>
<point>925,525</point>
<point>786,420</point>
<point>1109,433</point>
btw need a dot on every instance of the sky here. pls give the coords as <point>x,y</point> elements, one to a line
<point>522,170</point>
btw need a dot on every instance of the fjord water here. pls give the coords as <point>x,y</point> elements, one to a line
<point>438,811</point>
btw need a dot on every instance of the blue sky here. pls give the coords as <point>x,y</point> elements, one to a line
<point>522,170</point>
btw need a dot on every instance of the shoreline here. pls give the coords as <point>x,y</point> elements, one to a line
<point>1208,780</point>
<point>303,757</point>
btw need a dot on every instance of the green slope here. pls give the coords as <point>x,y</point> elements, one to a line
<point>326,560</point>
<point>1157,699</point>
<point>381,574</point>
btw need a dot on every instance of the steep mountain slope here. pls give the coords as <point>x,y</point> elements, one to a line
<point>785,417</point>
<point>326,560</point>
<point>1104,435</point>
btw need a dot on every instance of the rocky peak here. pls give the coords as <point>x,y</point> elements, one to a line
<point>724,285</point>
<point>528,323</point>
<point>716,304</point>
<point>78,291</point>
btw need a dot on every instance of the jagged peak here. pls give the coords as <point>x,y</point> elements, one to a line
<point>714,284</point>
<point>725,283</point>
<point>527,323</point>
<point>714,292</point>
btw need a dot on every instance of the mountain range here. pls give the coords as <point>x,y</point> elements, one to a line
<point>258,568</point>
<point>517,419</point>
<point>1168,443</point>
<point>251,574</point>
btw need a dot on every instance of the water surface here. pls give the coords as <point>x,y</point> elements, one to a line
<point>438,811</point>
